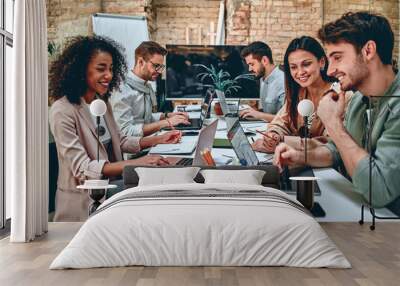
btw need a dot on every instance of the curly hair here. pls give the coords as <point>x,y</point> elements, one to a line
<point>67,75</point>
<point>292,88</point>
<point>359,28</point>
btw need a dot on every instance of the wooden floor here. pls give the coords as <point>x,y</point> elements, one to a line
<point>374,255</point>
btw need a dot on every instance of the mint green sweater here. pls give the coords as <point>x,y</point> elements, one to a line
<point>385,145</point>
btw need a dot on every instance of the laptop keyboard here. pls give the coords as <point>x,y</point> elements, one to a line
<point>194,123</point>
<point>185,162</point>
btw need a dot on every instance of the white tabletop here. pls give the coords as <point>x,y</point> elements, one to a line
<point>338,199</point>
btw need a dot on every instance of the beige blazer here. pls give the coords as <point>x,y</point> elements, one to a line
<point>75,136</point>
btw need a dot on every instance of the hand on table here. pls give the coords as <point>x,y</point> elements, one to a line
<point>268,143</point>
<point>250,113</point>
<point>172,114</point>
<point>178,119</point>
<point>286,155</point>
<point>171,137</point>
<point>154,160</point>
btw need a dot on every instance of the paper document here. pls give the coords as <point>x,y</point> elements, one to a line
<point>223,160</point>
<point>264,157</point>
<point>253,126</point>
<point>194,115</point>
<point>221,125</point>
<point>244,106</point>
<point>188,108</point>
<point>186,146</point>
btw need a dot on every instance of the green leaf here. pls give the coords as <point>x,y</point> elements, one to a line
<point>221,79</point>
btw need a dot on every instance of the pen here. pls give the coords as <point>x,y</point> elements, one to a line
<point>265,134</point>
<point>227,156</point>
<point>229,161</point>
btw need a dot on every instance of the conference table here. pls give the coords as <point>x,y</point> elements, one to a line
<point>338,198</point>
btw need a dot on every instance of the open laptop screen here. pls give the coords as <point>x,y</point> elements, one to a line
<point>228,109</point>
<point>240,144</point>
<point>206,105</point>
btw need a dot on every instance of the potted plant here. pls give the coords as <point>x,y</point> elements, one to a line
<point>221,82</point>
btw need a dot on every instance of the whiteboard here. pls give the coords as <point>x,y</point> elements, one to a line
<point>129,31</point>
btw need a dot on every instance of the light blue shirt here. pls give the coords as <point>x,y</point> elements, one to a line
<point>272,91</point>
<point>133,105</point>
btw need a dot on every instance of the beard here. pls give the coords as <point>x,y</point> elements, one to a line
<point>356,75</point>
<point>260,73</point>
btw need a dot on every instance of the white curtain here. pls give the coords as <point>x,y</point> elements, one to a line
<point>26,123</point>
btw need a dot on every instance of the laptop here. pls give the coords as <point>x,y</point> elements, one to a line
<point>205,140</point>
<point>197,123</point>
<point>247,157</point>
<point>232,109</point>
<point>228,109</point>
<point>238,139</point>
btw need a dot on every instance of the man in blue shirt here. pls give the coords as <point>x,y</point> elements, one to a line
<point>258,56</point>
<point>133,105</point>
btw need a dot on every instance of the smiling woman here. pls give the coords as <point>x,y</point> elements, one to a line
<point>89,67</point>
<point>85,64</point>
<point>99,74</point>
<point>305,66</point>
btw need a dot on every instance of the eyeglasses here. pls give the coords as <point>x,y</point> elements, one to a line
<point>157,67</point>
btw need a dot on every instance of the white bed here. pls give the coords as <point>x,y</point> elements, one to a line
<point>221,225</point>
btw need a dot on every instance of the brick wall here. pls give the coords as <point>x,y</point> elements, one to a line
<point>174,16</point>
<point>69,18</point>
<point>273,21</point>
<point>238,22</point>
<point>388,8</point>
<point>278,22</point>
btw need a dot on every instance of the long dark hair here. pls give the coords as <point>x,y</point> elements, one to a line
<point>67,76</point>
<point>292,88</point>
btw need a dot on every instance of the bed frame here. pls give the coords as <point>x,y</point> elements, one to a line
<point>270,179</point>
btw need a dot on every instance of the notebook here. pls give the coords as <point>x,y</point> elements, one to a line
<point>185,147</point>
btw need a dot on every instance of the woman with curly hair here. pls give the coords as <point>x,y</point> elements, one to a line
<point>90,68</point>
<point>305,67</point>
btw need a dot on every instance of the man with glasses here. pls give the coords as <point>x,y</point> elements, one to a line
<point>134,105</point>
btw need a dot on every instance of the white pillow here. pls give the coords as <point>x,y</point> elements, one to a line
<point>166,176</point>
<point>248,177</point>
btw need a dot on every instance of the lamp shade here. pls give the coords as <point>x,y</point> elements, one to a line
<point>305,107</point>
<point>98,107</point>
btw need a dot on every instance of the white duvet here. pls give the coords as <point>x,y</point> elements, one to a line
<point>206,230</point>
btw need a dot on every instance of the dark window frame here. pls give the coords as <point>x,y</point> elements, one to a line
<point>6,39</point>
